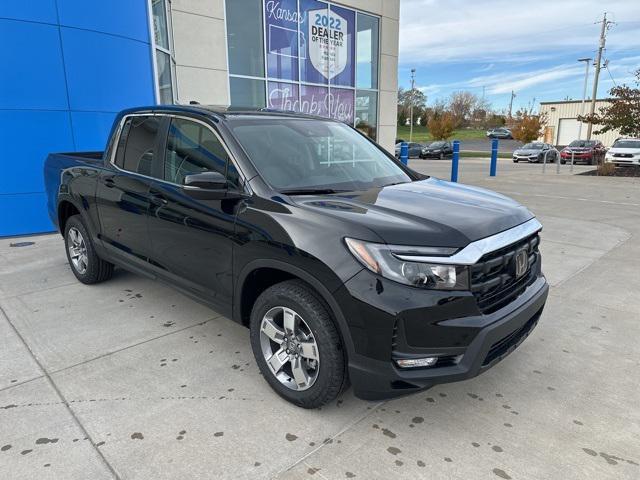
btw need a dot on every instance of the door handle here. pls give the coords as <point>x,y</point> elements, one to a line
<point>157,200</point>
<point>109,182</point>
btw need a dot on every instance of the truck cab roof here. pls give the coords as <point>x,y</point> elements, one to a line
<point>220,112</point>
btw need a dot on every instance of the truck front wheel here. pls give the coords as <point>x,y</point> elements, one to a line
<point>85,264</point>
<point>296,345</point>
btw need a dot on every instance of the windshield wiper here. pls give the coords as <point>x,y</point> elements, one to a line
<point>311,191</point>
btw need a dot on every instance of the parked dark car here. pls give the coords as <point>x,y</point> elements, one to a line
<point>439,149</point>
<point>415,150</point>
<point>591,152</point>
<point>535,152</point>
<point>343,263</point>
<point>500,132</point>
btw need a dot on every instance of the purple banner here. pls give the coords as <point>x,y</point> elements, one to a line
<point>281,32</point>
<point>339,104</point>
<point>283,96</point>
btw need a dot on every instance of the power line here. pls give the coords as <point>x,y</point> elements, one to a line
<point>606,65</point>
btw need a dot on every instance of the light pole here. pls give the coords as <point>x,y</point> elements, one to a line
<point>411,100</point>
<point>587,61</point>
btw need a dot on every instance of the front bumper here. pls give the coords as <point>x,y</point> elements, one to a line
<point>429,323</point>
<point>623,160</point>
<point>577,157</point>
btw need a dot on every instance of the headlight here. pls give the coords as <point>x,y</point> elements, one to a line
<point>384,260</point>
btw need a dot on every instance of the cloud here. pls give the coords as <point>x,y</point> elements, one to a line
<point>501,31</point>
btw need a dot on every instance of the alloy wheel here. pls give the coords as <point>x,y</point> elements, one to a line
<point>77,250</point>
<point>289,348</point>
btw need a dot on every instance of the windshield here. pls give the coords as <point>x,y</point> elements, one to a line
<point>532,146</point>
<point>582,143</point>
<point>626,144</point>
<point>436,144</point>
<point>300,153</point>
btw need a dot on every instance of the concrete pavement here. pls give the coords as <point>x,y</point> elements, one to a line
<point>131,380</point>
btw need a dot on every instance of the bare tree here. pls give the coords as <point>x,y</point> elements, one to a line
<point>461,105</point>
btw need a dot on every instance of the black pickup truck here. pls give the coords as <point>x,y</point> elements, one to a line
<point>345,264</point>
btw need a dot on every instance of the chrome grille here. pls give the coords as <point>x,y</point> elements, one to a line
<point>493,280</point>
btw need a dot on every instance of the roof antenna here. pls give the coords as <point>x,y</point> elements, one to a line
<point>193,102</point>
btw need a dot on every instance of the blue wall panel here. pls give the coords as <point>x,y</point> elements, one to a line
<point>24,213</point>
<point>30,10</point>
<point>91,129</point>
<point>60,89</point>
<point>27,137</point>
<point>106,73</point>
<point>119,17</point>
<point>32,69</point>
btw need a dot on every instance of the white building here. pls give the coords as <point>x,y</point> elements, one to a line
<point>563,126</point>
<point>332,58</point>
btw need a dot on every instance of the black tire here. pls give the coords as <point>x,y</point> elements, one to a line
<point>515,161</point>
<point>563,162</point>
<point>331,377</point>
<point>97,270</point>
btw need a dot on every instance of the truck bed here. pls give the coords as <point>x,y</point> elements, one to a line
<point>80,168</point>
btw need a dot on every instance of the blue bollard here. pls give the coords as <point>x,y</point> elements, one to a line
<point>494,157</point>
<point>456,159</point>
<point>404,153</point>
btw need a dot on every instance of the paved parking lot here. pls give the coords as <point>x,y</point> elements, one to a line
<point>129,379</point>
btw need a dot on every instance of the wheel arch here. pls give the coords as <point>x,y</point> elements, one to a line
<point>244,298</point>
<point>66,209</point>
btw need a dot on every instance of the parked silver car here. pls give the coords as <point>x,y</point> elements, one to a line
<point>534,152</point>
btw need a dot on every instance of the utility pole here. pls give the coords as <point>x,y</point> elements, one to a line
<point>513,95</point>
<point>603,39</point>
<point>413,84</point>
<point>586,61</point>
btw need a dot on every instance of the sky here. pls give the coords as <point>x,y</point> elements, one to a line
<point>497,46</point>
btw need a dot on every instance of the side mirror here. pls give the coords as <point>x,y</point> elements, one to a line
<point>210,186</point>
<point>206,181</point>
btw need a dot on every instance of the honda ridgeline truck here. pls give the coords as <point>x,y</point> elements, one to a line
<point>344,264</point>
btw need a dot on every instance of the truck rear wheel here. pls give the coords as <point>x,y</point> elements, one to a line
<point>85,263</point>
<point>297,345</point>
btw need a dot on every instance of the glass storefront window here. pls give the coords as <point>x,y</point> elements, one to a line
<point>165,63</point>
<point>245,37</point>
<point>247,92</point>
<point>165,88</point>
<point>341,46</point>
<point>160,25</point>
<point>367,112</point>
<point>283,96</point>
<point>281,28</point>
<point>310,56</point>
<point>314,29</point>
<point>367,53</point>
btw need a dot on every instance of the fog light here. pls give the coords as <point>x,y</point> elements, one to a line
<point>417,362</point>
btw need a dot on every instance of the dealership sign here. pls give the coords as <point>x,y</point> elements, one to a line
<point>328,49</point>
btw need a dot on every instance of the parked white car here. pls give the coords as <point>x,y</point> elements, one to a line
<point>625,151</point>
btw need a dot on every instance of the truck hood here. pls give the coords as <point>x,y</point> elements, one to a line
<point>429,212</point>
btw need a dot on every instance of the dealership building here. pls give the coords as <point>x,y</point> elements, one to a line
<point>71,65</point>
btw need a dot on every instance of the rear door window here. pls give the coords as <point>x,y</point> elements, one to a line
<point>137,146</point>
<point>193,148</point>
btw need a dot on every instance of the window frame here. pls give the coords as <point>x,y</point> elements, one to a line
<point>123,148</point>
<point>155,48</point>
<point>161,142</point>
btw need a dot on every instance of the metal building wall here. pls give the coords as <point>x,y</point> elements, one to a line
<point>67,67</point>
<point>571,109</point>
